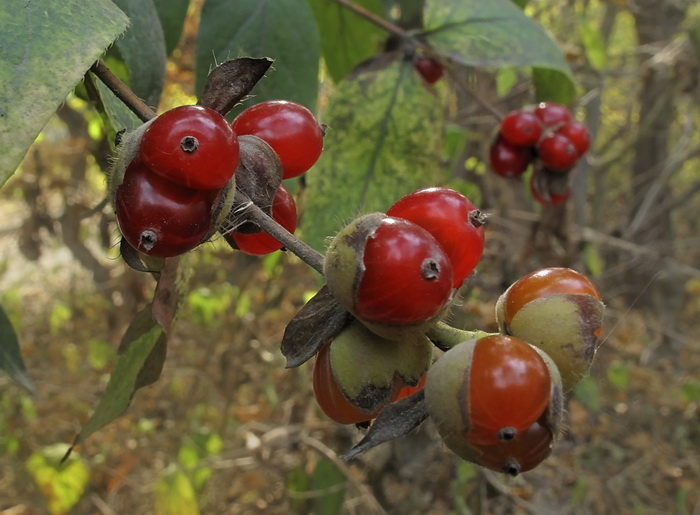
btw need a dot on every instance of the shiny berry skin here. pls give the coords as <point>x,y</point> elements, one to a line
<point>577,133</point>
<point>158,217</point>
<point>508,160</point>
<point>452,220</point>
<point>331,398</point>
<point>551,114</point>
<point>429,69</point>
<point>523,453</point>
<point>557,152</point>
<point>543,283</point>
<point>407,278</point>
<point>284,212</point>
<point>289,128</point>
<point>192,146</point>
<point>521,128</point>
<point>509,389</point>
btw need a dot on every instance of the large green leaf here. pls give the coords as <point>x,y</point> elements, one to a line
<point>10,358</point>
<point>283,30</point>
<point>383,140</point>
<point>346,38</point>
<point>172,14</point>
<point>45,48</point>
<point>490,33</point>
<point>143,49</point>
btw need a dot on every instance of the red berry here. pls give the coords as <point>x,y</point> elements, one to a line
<point>289,128</point>
<point>523,453</point>
<point>543,283</point>
<point>577,133</point>
<point>284,212</point>
<point>557,152</point>
<point>521,128</point>
<point>331,398</point>
<point>509,160</point>
<point>429,69</point>
<point>193,146</point>
<point>547,198</point>
<point>552,114</point>
<point>449,217</point>
<point>158,217</point>
<point>509,389</point>
<point>407,278</point>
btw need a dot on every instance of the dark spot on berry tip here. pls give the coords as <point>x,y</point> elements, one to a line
<point>189,144</point>
<point>511,467</point>
<point>148,240</point>
<point>506,434</point>
<point>430,270</point>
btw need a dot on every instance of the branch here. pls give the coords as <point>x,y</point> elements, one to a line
<point>122,91</point>
<point>448,65</point>
<point>308,255</point>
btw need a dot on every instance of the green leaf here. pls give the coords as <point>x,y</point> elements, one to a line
<point>45,48</point>
<point>131,371</point>
<point>61,482</point>
<point>10,357</point>
<point>329,482</point>
<point>384,140</point>
<point>172,14</point>
<point>174,494</point>
<point>261,28</point>
<point>143,49</point>
<point>495,33</point>
<point>553,86</point>
<point>346,38</point>
<point>593,44</point>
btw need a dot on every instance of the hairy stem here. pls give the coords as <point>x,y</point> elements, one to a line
<point>445,337</point>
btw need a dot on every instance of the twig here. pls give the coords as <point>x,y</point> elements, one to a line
<point>122,91</point>
<point>430,51</point>
<point>308,255</point>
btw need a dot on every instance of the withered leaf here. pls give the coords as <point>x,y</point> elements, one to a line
<point>231,81</point>
<point>318,321</point>
<point>395,420</point>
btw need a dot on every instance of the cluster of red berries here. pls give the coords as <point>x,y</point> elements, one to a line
<point>396,272</point>
<point>496,401</point>
<point>546,135</point>
<point>177,186</point>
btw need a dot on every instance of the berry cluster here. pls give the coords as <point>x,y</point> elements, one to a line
<point>295,136</point>
<point>396,272</point>
<point>496,400</point>
<point>177,181</point>
<point>547,136</point>
<point>169,192</point>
